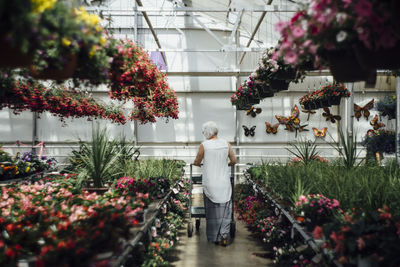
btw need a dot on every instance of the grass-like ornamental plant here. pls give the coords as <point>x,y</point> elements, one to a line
<point>347,149</point>
<point>305,151</point>
<point>98,159</point>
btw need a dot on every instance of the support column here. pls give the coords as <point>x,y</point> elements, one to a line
<point>350,109</point>
<point>397,118</point>
<point>34,132</point>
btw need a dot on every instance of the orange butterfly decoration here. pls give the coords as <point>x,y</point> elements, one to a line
<point>292,122</point>
<point>253,111</point>
<point>329,116</point>
<point>320,133</point>
<point>363,110</point>
<point>375,124</point>
<point>271,128</point>
<point>292,119</point>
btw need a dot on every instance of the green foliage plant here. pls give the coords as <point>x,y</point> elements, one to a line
<point>347,149</point>
<point>97,160</point>
<point>306,151</point>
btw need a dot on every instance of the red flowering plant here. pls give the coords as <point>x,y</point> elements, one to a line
<point>133,76</point>
<point>331,93</point>
<point>50,221</point>
<point>332,25</point>
<point>33,96</point>
<point>245,91</point>
<point>316,209</point>
<point>363,234</point>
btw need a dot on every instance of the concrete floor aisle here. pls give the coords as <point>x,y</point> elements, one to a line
<point>196,251</point>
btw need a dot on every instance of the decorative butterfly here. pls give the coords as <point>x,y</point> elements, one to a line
<point>253,111</point>
<point>296,128</point>
<point>271,128</point>
<point>309,112</point>
<point>293,118</point>
<point>363,110</point>
<point>329,116</point>
<point>248,131</point>
<point>374,123</point>
<point>320,133</point>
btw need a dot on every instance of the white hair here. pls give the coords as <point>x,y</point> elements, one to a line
<point>209,129</point>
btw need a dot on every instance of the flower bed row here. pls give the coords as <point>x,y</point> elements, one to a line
<point>53,223</point>
<point>352,213</point>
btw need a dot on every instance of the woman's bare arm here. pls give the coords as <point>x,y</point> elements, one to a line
<point>200,156</point>
<point>232,156</point>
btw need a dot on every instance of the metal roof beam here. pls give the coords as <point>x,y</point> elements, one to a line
<point>236,27</point>
<point>255,31</point>
<point>268,8</point>
<point>139,2</point>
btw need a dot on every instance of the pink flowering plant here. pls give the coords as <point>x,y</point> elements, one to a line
<point>317,209</point>
<point>275,68</point>
<point>333,25</point>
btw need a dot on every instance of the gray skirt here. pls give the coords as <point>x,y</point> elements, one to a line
<point>218,219</point>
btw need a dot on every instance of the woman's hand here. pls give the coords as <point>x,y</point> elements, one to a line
<point>200,156</point>
<point>232,156</point>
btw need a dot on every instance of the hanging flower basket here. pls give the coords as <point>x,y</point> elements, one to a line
<point>264,90</point>
<point>334,100</point>
<point>324,103</point>
<point>13,57</point>
<point>56,74</point>
<point>289,74</point>
<point>307,106</point>
<point>251,99</point>
<point>345,67</point>
<point>279,85</point>
<point>243,104</point>
<point>387,59</point>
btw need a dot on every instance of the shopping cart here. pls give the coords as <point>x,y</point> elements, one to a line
<point>198,212</point>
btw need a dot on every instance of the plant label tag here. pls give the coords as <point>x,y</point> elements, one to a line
<point>153,231</point>
<point>176,191</point>
<point>158,223</point>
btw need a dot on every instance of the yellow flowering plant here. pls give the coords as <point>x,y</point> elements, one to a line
<point>72,45</point>
<point>93,59</point>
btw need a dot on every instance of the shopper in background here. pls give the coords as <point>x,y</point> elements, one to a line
<point>217,155</point>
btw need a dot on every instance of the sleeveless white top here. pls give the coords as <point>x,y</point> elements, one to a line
<point>216,176</point>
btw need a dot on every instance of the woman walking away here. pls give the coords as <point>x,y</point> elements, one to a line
<point>218,156</point>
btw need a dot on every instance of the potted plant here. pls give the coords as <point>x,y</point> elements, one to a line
<point>134,77</point>
<point>328,28</point>
<point>55,56</point>
<point>387,106</point>
<point>274,72</point>
<point>97,160</point>
<point>19,25</point>
<point>246,95</point>
<point>325,97</point>
<point>96,50</point>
